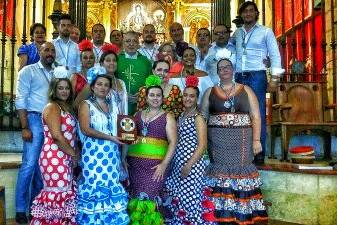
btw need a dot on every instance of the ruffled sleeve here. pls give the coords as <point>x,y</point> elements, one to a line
<point>23,50</point>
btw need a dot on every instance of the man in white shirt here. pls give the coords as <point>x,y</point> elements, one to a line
<point>98,37</point>
<point>31,97</point>
<point>254,45</point>
<point>203,45</point>
<point>67,52</point>
<point>149,49</point>
<point>220,48</point>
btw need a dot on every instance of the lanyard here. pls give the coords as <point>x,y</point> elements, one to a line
<point>64,55</point>
<point>244,42</point>
<point>97,54</point>
<point>46,76</point>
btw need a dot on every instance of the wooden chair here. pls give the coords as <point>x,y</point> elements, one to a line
<point>300,106</point>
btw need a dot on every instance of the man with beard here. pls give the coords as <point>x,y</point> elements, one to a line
<point>116,37</point>
<point>220,48</point>
<point>31,97</point>
<point>133,68</point>
<point>149,48</point>
<point>67,52</point>
<point>256,49</point>
<point>98,37</point>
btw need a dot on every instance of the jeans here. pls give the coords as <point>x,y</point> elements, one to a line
<point>29,181</point>
<point>257,80</point>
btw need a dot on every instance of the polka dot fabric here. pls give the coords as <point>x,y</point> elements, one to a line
<point>101,197</point>
<point>186,193</point>
<point>56,202</point>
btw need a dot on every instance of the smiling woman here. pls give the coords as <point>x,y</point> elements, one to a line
<point>56,201</point>
<point>150,157</point>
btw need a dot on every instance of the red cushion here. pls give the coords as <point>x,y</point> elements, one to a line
<point>301,149</point>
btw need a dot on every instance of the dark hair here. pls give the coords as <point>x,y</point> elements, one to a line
<point>196,89</point>
<point>67,105</point>
<point>189,48</point>
<point>99,76</point>
<point>116,30</point>
<point>97,24</point>
<point>64,17</point>
<point>222,25</point>
<point>203,28</point>
<point>36,25</point>
<point>160,61</point>
<point>244,5</point>
<point>224,59</point>
<point>105,54</point>
<point>151,87</point>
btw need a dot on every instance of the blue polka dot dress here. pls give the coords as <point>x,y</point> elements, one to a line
<point>101,197</point>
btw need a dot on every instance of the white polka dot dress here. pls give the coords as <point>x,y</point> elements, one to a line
<point>56,203</point>
<point>101,197</point>
<point>185,193</point>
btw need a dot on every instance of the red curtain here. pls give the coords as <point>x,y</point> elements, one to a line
<point>298,30</point>
<point>8,16</point>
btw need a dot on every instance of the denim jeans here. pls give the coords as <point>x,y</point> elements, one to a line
<point>29,181</point>
<point>257,80</point>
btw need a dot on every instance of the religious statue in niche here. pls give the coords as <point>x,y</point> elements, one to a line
<point>158,18</point>
<point>137,18</point>
<point>195,25</point>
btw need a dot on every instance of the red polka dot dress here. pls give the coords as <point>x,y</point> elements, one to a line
<point>56,203</point>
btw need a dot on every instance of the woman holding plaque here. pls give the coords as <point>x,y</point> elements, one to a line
<point>172,100</point>
<point>233,192</point>
<point>101,197</point>
<point>184,185</point>
<point>149,158</point>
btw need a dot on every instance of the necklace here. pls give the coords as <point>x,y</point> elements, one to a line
<point>146,122</point>
<point>106,114</point>
<point>183,117</point>
<point>230,99</point>
<point>116,92</point>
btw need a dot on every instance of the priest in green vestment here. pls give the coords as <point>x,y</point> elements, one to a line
<point>133,68</point>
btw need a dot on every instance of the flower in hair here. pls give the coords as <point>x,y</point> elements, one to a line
<point>152,80</point>
<point>61,72</point>
<point>85,45</point>
<point>192,81</point>
<point>93,72</point>
<point>109,48</point>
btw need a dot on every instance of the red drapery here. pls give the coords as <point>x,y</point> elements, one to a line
<point>8,16</point>
<point>297,27</point>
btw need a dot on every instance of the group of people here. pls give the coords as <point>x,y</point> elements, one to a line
<point>199,112</point>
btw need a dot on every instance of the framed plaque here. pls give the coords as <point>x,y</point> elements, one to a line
<point>126,128</point>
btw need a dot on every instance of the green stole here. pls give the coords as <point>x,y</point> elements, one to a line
<point>133,72</point>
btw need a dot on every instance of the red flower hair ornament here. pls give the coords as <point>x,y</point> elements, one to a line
<point>192,81</point>
<point>85,45</point>
<point>108,48</point>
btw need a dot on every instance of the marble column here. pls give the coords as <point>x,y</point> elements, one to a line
<point>221,12</point>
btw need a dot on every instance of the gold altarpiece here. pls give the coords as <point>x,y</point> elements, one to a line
<point>133,15</point>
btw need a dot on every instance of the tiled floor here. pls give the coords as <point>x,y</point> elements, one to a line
<point>271,222</point>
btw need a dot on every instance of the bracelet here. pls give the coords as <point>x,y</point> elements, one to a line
<point>256,140</point>
<point>24,128</point>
